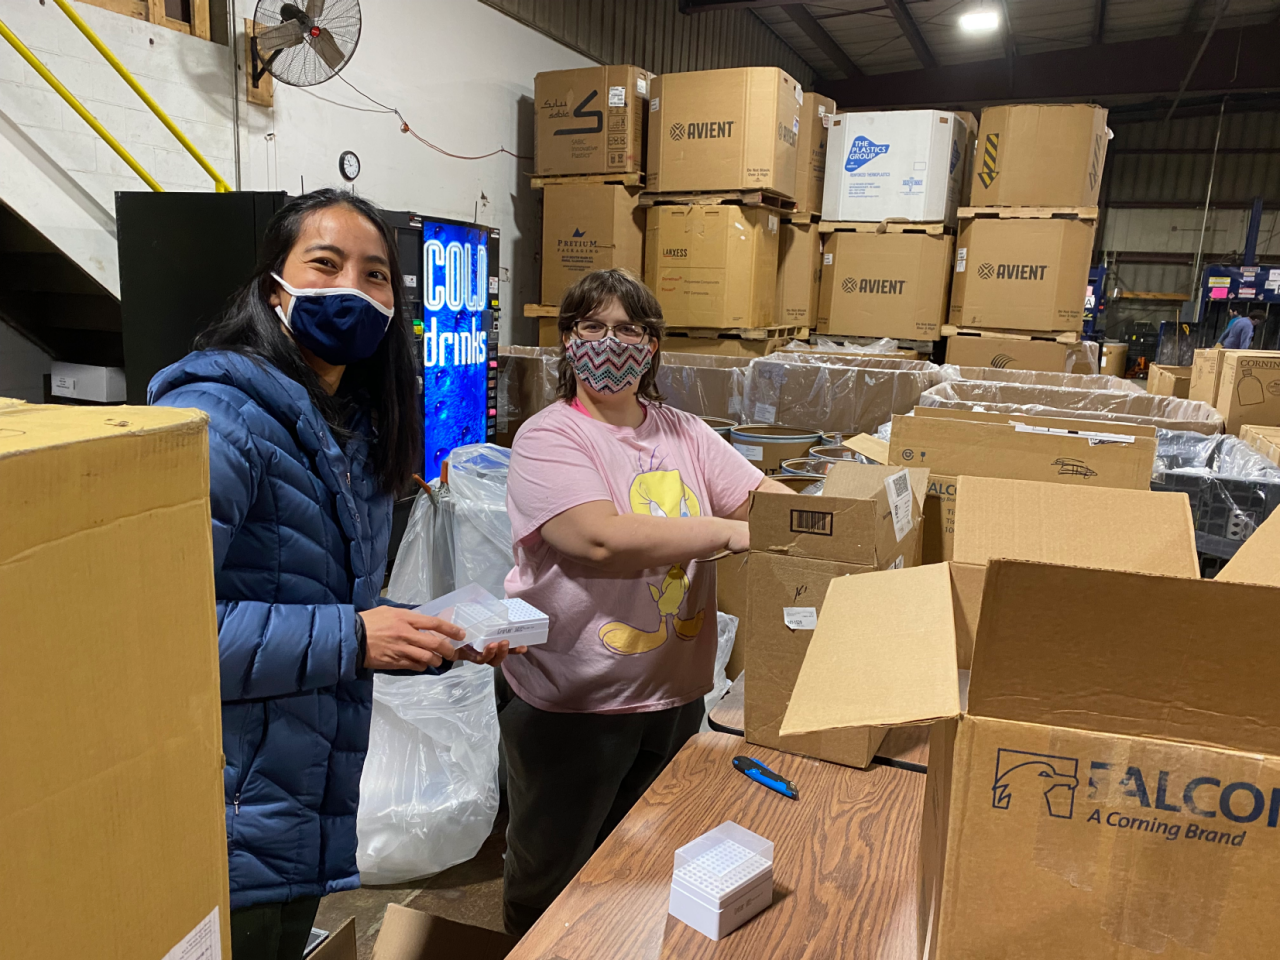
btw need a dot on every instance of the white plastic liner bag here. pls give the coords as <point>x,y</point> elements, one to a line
<point>726,631</point>
<point>481,528</point>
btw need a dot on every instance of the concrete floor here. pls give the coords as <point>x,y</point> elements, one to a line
<point>470,893</point>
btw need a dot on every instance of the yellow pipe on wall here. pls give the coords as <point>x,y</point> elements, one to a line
<point>219,184</point>
<point>78,107</point>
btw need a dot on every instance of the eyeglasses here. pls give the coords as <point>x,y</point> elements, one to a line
<point>626,332</point>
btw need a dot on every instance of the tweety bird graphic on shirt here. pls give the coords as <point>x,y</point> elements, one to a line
<point>660,493</point>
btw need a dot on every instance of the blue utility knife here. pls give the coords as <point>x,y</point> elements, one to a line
<point>762,775</point>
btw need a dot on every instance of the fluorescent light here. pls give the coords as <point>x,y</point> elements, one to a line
<point>980,21</point>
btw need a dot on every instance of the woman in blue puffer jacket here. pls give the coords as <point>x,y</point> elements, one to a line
<point>314,422</point>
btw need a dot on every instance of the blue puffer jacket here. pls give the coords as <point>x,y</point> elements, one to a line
<point>300,535</point>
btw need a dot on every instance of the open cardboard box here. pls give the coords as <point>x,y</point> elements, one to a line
<point>798,546</point>
<point>408,934</point>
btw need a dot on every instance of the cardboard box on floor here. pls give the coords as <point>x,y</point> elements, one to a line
<point>408,934</point>
<point>1021,274</point>
<point>713,265</point>
<point>722,346</point>
<point>112,749</point>
<point>1047,355</point>
<point>1206,372</point>
<point>706,386</point>
<point>885,285</point>
<point>590,120</point>
<point>799,275</point>
<point>798,546</point>
<point>1040,155</point>
<point>811,151</point>
<point>588,227</point>
<point>1249,389</point>
<point>1167,381</point>
<point>1109,790</point>
<point>956,443</point>
<point>733,129</point>
<point>527,380</point>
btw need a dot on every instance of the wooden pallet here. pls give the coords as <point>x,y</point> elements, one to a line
<point>1028,213</point>
<point>745,198</point>
<point>740,333</point>
<point>884,226</point>
<point>541,310</point>
<point>1069,336</point>
<point>622,179</point>
<point>801,216</point>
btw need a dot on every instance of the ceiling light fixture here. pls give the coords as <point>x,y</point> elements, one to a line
<point>979,21</point>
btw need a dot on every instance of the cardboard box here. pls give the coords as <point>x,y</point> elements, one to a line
<point>722,346</point>
<point>885,285</point>
<point>112,753</point>
<point>1044,378</point>
<point>1266,440</point>
<point>1040,155</point>
<point>1167,381</point>
<point>1121,824</point>
<point>706,386</point>
<point>725,130</point>
<point>971,143</point>
<point>1206,372</point>
<point>1258,559</point>
<point>408,934</point>
<point>799,275</point>
<point>811,151</point>
<point>713,265</point>
<point>894,164</point>
<point>798,546</point>
<point>1115,357</point>
<point>527,382</point>
<point>1249,389</point>
<point>1021,274</point>
<point>589,227</point>
<point>1028,448</point>
<point>590,120</point>
<point>1045,355</point>
<point>82,381</point>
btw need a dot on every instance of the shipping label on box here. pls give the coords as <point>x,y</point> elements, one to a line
<point>588,227</point>
<point>1035,154</point>
<point>590,120</point>
<point>885,285</point>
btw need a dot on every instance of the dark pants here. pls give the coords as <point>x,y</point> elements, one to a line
<point>571,778</point>
<point>272,931</point>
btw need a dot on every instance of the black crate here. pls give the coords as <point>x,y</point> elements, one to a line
<point>1226,510</point>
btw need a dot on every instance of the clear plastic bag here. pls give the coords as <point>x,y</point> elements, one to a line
<point>424,564</point>
<point>706,386</point>
<point>885,345</point>
<point>1077,381</point>
<point>481,528</point>
<point>429,791</point>
<point>527,380</point>
<point>726,631</point>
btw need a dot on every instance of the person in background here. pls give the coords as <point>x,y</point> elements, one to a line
<point>310,386</point>
<point>1240,329</point>
<point>616,500</point>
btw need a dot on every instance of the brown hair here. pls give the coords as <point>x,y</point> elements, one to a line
<point>594,291</point>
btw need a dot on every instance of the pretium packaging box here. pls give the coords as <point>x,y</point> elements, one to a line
<point>1021,274</point>
<point>799,274</point>
<point>587,227</point>
<point>713,265</point>
<point>899,163</point>
<point>109,692</point>
<point>590,120</point>
<point>811,151</point>
<point>885,285</point>
<point>1040,155</point>
<point>724,130</point>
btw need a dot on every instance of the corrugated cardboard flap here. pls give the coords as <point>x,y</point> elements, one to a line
<point>884,654</point>
<point>865,481</point>
<point>873,448</point>
<point>1126,653</point>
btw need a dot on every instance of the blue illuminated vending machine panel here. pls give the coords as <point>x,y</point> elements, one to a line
<point>459,337</point>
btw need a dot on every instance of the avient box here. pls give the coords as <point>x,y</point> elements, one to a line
<point>904,164</point>
<point>722,879</point>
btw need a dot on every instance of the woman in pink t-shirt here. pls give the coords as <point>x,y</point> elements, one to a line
<point>613,497</point>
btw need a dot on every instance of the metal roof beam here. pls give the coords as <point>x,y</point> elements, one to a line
<point>911,30</point>
<point>803,19</point>
<point>1099,20</point>
<point>1193,14</point>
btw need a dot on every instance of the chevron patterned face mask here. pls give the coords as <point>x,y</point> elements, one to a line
<point>609,365</point>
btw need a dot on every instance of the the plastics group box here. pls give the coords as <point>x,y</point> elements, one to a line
<point>1047,355</point>
<point>799,274</point>
<point>1034,154</point>
<point>885,285</point>
<point>1249,388</point>
<point>1021,274</point>
<point>894,164</point>
<point>590,120</point>
<point>109,690</point>
<point>811,151</point>
<point>732,129</point>
<point>713,265</point>
<point>588,227</point>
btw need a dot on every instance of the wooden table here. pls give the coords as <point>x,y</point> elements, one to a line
<point>906,747</point>
<point>844,865</point>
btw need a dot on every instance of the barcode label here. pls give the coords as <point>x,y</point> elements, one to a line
<point>800,618</point>
<point>617,96</point>
<point>813,521</point>
<point>898,487</point>
<point>901,485</point>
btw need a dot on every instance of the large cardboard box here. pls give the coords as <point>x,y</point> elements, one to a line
<point>894,164</point>
<point>1073,452</point>
<point>1040,155</point>
<point>1117,823</point>
<point>798,546</point>
<point>713,265</point>
<point>725,130</point>
<point>811,151</point>
<point>1206,373</point>
<point>971,142</point>
<point>1258,559</point>
<point>1249,388</point>
<point>408,934</point>
<point>1266,440</point>
<point>1045,355</point>
<point>1021,274</point>
<point>704,385</point>
<point>799,275</point>
<point>527,382</point>
<point>1168,381</point>
<point>885,285</point>
<point>109,690</point>
<point>590,120</point>
<point>731,346</point>
<point>589,227</point>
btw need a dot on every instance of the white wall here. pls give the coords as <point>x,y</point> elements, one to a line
<point>460,72</point>
<point>22,366</point>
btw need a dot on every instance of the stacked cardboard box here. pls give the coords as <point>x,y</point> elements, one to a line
<point>1167,381</point>
<point>588,227</point>
<point>1266,440</point>
<point>1023,353</point>
<point>1249,388</point>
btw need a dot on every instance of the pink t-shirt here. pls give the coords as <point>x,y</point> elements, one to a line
<point>618,644</point>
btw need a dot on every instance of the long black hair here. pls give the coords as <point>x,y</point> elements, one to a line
<point>386,384</point>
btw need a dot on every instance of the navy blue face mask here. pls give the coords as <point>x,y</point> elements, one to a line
<point>338,324</point>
